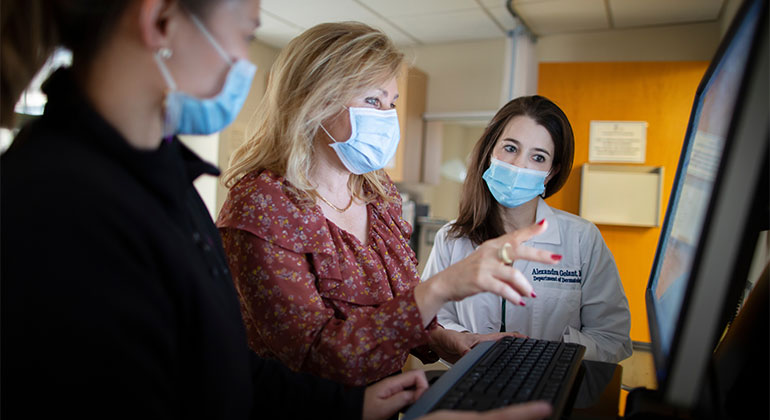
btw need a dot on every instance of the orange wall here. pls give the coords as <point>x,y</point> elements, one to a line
<point>660,93</point>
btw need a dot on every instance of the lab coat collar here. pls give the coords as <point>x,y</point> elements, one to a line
<point>551,235</point>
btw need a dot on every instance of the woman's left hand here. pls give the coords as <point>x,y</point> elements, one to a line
<point>451,345</point>
<point>486,269</point>
<point>384,398</point>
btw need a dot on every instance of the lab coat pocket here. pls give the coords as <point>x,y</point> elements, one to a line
<point>558,305</point>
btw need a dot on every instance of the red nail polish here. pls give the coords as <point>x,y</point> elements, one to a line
<point>521,302</point>
<point>541,222</point>
<point>556,257</point>
<point>533,294</point>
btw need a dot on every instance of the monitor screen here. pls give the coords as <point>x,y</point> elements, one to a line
<point>696,274</point>
<point>701,156</point>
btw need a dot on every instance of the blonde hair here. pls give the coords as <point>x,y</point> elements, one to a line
<point>312,79</point>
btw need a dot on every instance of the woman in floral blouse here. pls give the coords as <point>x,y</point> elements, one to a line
<point>312,225</point>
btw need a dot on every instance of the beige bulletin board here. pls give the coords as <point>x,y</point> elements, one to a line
<point>621,194</point>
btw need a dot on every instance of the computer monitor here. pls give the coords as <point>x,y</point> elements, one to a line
<point>707,237</point>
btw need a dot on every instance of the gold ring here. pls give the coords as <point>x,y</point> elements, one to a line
<point>503,254</point>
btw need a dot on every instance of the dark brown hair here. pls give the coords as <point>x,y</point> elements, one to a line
<point>30,30</point>
<point>479,218</point>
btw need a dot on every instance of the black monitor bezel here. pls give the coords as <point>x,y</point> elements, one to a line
<point>664,365</point>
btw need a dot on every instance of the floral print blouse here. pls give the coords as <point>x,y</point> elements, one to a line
<point>312,295</point>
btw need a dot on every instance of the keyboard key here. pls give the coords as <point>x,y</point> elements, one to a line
<point>467,404</point>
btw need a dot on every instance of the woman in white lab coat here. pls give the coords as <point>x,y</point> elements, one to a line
<point>525,155</point>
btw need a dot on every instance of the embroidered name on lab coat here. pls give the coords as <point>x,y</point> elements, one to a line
<point>559,276</point>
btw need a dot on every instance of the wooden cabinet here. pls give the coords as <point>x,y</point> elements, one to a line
<point>410,106</point>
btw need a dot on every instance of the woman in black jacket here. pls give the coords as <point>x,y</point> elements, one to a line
<point>116,298</point>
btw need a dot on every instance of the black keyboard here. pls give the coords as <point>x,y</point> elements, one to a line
<point>509,371</point>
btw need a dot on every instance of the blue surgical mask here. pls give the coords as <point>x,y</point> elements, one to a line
<point>185,114</point>
<point>513,186</point>
<point>373,141</point>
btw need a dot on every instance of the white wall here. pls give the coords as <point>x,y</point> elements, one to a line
<point>728,13</point>
<point>464,76</point>
<point>207,147</point>
<point>696,42</point>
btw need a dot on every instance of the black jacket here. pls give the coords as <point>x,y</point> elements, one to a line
<point>116,297</point>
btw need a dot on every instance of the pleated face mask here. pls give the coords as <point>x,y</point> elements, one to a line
<point>513,186</point>
<point>186,114</point>
<point>374,136</point>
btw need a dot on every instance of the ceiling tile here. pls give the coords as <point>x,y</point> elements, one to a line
<point>491,4</point>
<point>274,31</point>
<point>396,8</point>
<point>559,16</point>
<point>529,1</point>
<point>503,17</point>
<point>397,34</point>
<point>453,26</point>
<point>307,13</point>
<point>408,22</point>
<point>634,13</point>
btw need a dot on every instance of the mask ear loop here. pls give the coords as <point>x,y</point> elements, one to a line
<point>327,133</point>
<point>160,56</point>
<point>546,186</point>
<point>347,108</point>
<point>221,51</point>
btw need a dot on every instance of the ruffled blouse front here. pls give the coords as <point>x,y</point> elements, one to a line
<point>312,295</point>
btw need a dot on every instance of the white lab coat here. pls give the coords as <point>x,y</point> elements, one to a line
<point>579,300</point>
